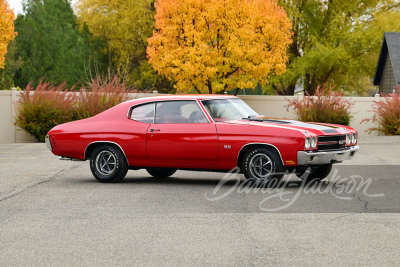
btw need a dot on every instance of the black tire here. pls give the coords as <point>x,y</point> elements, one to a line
<point>315,173</point>
<point>256,159</point>
<point>160,172</point>
<point>108,164</point>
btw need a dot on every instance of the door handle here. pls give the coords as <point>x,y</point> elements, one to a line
<point>154,130</point>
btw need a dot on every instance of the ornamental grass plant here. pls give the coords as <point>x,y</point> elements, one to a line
<point>100,97</point>
<point>40,109</point>
<point>326,106</point>
<point>386,114</point>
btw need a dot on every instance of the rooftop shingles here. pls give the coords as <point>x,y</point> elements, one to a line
<point>391,45</point>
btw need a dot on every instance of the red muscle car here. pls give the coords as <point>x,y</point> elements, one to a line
<point>200,132</point>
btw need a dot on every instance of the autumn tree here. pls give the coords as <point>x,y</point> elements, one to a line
<point>51,45</point>
<point>124,26</point>
<point>335,42</point>
<point>215,46</point>
<point>7,33</point>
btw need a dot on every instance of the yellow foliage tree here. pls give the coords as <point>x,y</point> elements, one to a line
<point>214,46</point>
<point>7,33</point>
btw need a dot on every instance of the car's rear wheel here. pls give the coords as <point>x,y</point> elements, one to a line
<point>108,164</point>
<point>263,165</point>
<point>315,173</point>
<point>160,172</point>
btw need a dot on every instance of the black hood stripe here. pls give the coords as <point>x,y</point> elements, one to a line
<point>329,129</point>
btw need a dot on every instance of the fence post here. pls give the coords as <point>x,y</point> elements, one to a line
<point>13,114</point>
<point>378,98</point>
<point>300,97</point>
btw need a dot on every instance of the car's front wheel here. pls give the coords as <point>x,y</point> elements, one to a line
<point>262,165</point>
<point>108,164</point>
<point>160,172</point>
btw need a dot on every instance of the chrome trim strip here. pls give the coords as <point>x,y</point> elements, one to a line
<point>326,157</point>
<point>260,144</point>
<point>202,110</point>
<point>48,143</point>
<point>123,152</point>
<point>209,115</point>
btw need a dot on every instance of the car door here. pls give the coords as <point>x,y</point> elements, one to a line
<point>181,134</point>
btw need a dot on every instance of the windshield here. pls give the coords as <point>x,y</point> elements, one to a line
<point>228,109</point>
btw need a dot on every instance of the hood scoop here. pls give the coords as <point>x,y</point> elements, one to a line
<point>277,121</point>
<point>330,131</point>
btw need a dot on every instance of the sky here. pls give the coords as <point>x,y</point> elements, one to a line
<point>16,5</point>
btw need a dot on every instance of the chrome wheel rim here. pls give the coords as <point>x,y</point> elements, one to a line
<point>106,162</point>
<point>261,166</point>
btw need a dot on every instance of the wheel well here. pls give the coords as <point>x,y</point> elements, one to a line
<point>246,149</point>
<point>92,146</point>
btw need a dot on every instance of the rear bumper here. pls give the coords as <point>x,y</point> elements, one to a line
<point>326,157</point>
<point>48,144</point>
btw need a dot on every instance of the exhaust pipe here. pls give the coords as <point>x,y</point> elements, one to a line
<point>67,158</point>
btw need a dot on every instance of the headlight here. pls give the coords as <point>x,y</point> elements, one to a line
<point>308,143</point>
<point>348,139</point>
<point>314,142</point>
<point>354,138</point>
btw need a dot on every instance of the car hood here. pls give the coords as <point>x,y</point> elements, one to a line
<point>315,127</point>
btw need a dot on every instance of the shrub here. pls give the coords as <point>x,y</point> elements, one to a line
<point>386,114</point>
<point>327,107</point>
<point>39,110</point>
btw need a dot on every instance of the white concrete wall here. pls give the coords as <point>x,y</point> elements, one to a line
<point>363,109</point>
<point>274,106</point>
<point>271,106</point>
<point>6,128</point>
<point>9,133</point>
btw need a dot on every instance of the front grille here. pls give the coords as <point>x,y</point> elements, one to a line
<point>331,142</point>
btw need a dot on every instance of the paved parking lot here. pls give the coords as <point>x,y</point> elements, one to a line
<point>54,213</point>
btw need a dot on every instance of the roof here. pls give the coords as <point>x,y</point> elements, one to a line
<point>182,97</point>
<point>122,108</point>
<point>391,45</point>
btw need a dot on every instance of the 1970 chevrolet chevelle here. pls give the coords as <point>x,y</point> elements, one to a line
<point>200,132</point>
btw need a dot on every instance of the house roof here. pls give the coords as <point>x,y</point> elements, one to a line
<point>391,45</point>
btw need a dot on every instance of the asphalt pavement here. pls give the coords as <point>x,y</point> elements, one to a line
<point>54,213</point>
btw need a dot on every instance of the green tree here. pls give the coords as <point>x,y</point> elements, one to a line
<point>12,64</point>
<point>335,42</point>
<point>52,46</point>
<point>125,26</point>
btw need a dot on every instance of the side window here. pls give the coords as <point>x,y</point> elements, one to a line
<point>143,113</point>
<point>179,112</point>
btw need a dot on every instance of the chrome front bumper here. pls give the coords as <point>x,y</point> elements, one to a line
<point>326,157</point>
<point>48,144</point>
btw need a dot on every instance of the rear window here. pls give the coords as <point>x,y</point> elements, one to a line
<point>143,113</point>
